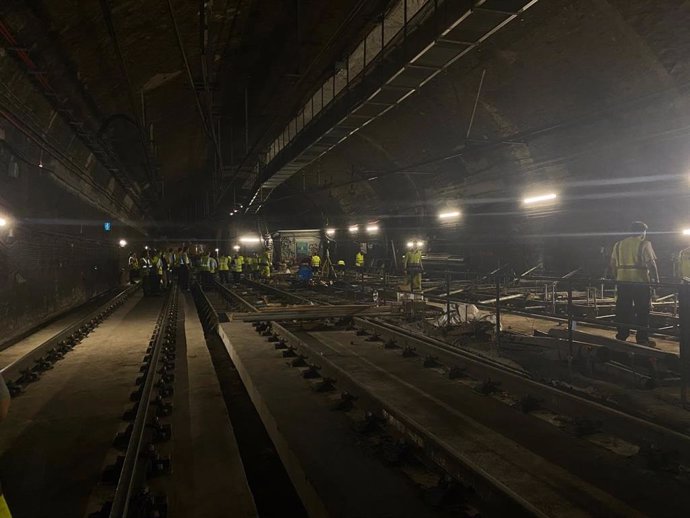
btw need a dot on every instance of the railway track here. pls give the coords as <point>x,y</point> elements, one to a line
<point>29,366</point>
<point>83,377</point>
<point>526,446</point>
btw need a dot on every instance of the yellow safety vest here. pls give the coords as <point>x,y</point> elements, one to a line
<point>315,260</point>
<point>237,266</point>
<point>359,259</point>
<point>205,263</point>
<point>341,263</point>
<point>684,263</point>
<point>413,258</point>
<point>157,264</point>
<point>223,263</point>
<point>630,266</point>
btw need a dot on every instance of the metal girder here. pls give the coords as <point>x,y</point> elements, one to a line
<point>449,30</point>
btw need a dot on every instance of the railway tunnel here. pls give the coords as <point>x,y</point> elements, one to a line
<point>352,258</point>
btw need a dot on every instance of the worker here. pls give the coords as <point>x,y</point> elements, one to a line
<point>182,261</point>
<point>265,264</point>
<point>170,261</point>
<point>315,263</point>
<point>155,273</point>
<point>413,268</point>
<point>633,264</point>
<point>133,264</point>
<point>237,266</point>
<point>5,400</point>
<point>224,268</point>
<point>684,265</point>
<point>305,273</point>
<point>359,260</point>
<point>255,266</point>
<point>205,269</point>
<point>144,270</point>
<point>212,266</point>
<point>248,266</point>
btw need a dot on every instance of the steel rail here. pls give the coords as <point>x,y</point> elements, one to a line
<point>16,371</point>
<point>133,464</point>
<point>438,451</point>
<point>634,428</point>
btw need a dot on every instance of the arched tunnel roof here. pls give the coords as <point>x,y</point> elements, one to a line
<point>180,114</point>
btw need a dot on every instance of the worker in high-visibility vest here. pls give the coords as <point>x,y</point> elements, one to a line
<point>205,269</point>
<point>683,265</point>
<point>359,260</point>
<point>255,266</point>
<point>237,267</point>
<point>182,263</point>
<point>315,263</point>
<point>265,265</point>
<point>633,263</point>
<point>413,267</point>
<point>156,272</point>
<point>133,264</point>
<point>169,257</point>
<point>224,268</point>
<point>213,265</point>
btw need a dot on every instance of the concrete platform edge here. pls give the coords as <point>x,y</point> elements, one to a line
<point>310,499</point>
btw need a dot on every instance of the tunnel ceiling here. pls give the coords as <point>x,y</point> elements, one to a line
<point>588,99</point>
<point>169,99</point>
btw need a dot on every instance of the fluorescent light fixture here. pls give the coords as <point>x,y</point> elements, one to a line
<point>236,248</point>
<point>3,222</point>
<point>410,244</point>
<point>372,229</point>
<point>531,200</point>
<point>686,231</point>
<point>354,228</point>
<point>250,239</point>
<point>454,214</point>
<point>330,231</point>
<point>122,243</point>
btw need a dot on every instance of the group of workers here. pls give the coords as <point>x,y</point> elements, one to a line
<point>253,266</point>
<point>157,270</point>
<point>633,265</point>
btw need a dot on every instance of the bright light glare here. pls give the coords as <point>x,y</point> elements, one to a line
<point>539,199</point>
<point>372,229</point>
<point>410,244</point>
<point>419,244</point>
<point>146,247</point>
<point>449,215</point>
<point>236,248</point>
<point>330,231</point>
<point>3,222</point>
<point>250,239</point>
<point>122,243</point>
<point>217,250</point>
<point>354,228</point>
<point>686,231</point>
